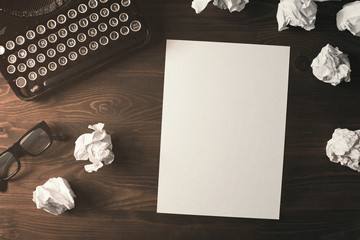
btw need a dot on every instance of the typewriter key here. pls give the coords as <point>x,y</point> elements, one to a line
<point>81,37</point>
<point>113,22</point>
<point>51,24</point>
<point>104,12</point>
<point>72,13</point>
<point>51,52</point>
<point>62,33</point>
<point>83,22</point>
<point>93,45</point>
<point>42,43</point>
<point>30,34</point>
<point>21,82</point>
<point>104,40</point>
<point>124,30</point>
<point>2,50</point>
<point>30,63</point>
<point>11,69</point>
<point>52,66</point>
<point>73,27</point>
<point>40,29</point>
<point>114,35</point>
<point>103,1</point>
<point>61,19</point>
<point>92,32</point>
<point>22,53</point>
<point>42,71</point>
<point>63,61</point>
<point>12,58</point>
<point>32,76</point>
<point>115,7</point>
<point>20,40</point>
<point>82,8</point>
<point>135,26</point>
<point>40,58</point>
<point>123,17</point>
<point>71,42</point>
<point>72,56</point>
<point>52,38</point>
<point>61,47</point>
<point>94,17</point>
<point>83,50</point>
<point>10,45</point>
<point>32,48</point>
<point>125,3</point>
<point>21,67</point>
<point>102,27</point>
<point>93,3</point>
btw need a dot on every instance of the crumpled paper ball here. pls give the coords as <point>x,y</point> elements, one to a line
<point>96,147</point>
<point>232,5</point>
<point>331,66</point>
<point>344,148</point>
<point>349,18</point>
<point>297,13</point>
<point>55,196</point>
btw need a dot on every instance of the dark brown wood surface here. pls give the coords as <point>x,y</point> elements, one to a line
<point>320,199</point>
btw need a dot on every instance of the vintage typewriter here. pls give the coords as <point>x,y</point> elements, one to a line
<point>44,43</point>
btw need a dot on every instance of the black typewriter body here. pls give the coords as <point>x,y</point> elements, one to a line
<point>42,50</point>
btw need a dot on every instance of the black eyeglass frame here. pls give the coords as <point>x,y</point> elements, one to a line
<point>17,150</point>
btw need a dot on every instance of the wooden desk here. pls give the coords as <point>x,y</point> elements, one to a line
<point>320,199</point>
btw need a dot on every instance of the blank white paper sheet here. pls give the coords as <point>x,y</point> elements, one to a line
<point>223,129</point>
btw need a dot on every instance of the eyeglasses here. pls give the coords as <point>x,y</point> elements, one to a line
<point>33,143</point>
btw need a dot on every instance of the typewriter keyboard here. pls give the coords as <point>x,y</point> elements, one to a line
<point>68,43</point>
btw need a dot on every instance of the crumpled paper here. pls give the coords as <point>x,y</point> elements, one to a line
<point>55,196</point>
<point>96,147</point>
<point>232,5</point>
<point>331,66</point>
<point>297,13</point>
<point>349,18</point>
<point>344,148</point>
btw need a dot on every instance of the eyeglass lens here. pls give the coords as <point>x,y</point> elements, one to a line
<point>36,141</point>
<point>8,165</point>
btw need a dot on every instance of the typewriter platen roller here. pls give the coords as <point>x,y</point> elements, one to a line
<point>46,43</point>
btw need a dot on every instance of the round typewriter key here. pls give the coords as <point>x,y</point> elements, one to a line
<point>81,37</point>
<point>114,35</point>
<point>113,22</point>
<point>72,13</point>
<point>40,29</point>
<point>22,53</point>
<point>124,30</point>
<point>61,19</point>
<point>123,17</point>
<point>40,58</point>
<point>12,58</point>
<point>135,26</point>
<point>125,3</point>
<point>32,48</point>
<point>63,61</point>
<point>30,63</point>
<point>61,47</point>
<point>21,67</point>
<point>93,3</point>
<point>104,12</point>
<point>102,27</point>
<point>94,17</point>
<point>71,42</point>
<point>52,66</point>
<point>20,40</point>
<point>11,69</point>
<point>82,8</point>
<point>115,7</point>
<point>93,45</point>
<point>51,24</point>
<point>10,45</point>
<point>42,43</point>
<point>32,76</point>
<point>52,38</point>
<point>62,33</point>
<point>30,34</point>
<point>104,40</point>
<point>2,50</point>
<point>92,32</point>
<point>83,50</point>
<point>20,82</point>
<point>73,27</point>
<point>83,22</point>
<point>72,56</point>
<point>103,1</point>
<point>51,52</point>
<point>42,71</point>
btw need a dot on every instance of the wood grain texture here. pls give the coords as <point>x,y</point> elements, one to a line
<point>320,200</point>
